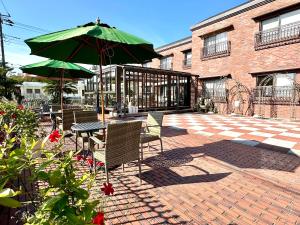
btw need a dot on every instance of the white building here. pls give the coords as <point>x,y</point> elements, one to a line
<point>35,91</point>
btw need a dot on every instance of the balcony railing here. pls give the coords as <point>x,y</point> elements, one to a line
<point>278,36</point>
<point>218,50</point>
<point>279,95</point>
<point>187,63</point>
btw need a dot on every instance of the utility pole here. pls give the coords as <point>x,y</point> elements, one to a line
<point>2,42</point>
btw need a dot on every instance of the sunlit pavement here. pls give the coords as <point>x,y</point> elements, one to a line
<point>209,179</point>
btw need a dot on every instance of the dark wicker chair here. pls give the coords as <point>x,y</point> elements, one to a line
<point>121,146</point>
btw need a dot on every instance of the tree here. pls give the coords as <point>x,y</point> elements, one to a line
<point>53,88</point>
<point>8,85</point>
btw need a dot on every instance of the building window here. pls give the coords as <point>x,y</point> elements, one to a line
<point>187,62</point>
<point>216,45</point>
<point>276,80</point>
<point>166,63</point>
<point>280,29</point>
<point>29,91</point>
<point>279,86</point>
<point>215,89</point>
<point>37,91</point>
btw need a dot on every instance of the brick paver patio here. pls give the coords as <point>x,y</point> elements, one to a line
<point>206,179</point>
<point>275,134</point>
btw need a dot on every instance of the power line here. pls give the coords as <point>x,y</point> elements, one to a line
<point>25,28</point>
<point>10,36</point>
<point>31,27</point>
<point>4,7</point>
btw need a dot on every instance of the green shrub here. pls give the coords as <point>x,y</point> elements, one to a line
<point>64,197</point>
<point>24,120</point>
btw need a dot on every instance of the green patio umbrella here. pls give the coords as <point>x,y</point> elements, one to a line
<point>93,43</point>
<point>58,69</point>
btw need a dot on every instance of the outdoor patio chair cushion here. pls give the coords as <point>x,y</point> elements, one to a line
<point>99,154</point>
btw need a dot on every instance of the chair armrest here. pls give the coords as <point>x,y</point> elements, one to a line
<point>58,120</point>
<point>153,126</point>
<point>96,140</point>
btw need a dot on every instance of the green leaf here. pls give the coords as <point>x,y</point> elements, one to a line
<point>72,217</point>
<point>8,192</point>
<point>43,175</point>
<point>50,203</point>
<point>9,202</point>
<point>81,193</point>
<point>55,178</point>
<point>44,165</point>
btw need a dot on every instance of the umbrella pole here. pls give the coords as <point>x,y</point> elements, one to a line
<point>101,89</point>
<point>61,90</point>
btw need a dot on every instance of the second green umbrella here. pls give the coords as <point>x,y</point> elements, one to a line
<point>57,69</point>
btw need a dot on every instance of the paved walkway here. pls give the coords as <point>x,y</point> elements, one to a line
<point>205,179</point>
<point>276,135</point>
<point>197,181</point>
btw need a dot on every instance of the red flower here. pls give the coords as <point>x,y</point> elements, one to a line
<point>100,164</point>
<point>13,116</point>
<point>54,136</point>
<point>108,189</point>
<point>90,161</point>
<point>20,107</point>
<point>2,113</point>
<point>99,219</point>
<point>79,157</point>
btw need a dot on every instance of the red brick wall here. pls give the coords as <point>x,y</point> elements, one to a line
<point>244,59</point>
<point>178,57</point>
<point>277,111</point>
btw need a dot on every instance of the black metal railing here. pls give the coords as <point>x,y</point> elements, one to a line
<point>215,94</point>
<point>219,49</point>
<point>268,94</point>
<point>187,63</point>
<point>277,35</point>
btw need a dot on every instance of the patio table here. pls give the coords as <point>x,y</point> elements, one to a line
<point>88,127</point>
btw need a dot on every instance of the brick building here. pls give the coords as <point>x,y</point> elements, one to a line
<point>247,58</point>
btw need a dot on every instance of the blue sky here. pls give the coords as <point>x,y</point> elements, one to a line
<point>158,21</point>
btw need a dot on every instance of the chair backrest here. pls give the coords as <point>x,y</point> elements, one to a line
<point>122,142</point>
<point>68,118</point>
<point>85,116</point>
<point>154,122</point>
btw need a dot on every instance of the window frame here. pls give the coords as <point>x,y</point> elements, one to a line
<point>167,67</point>
<point>280,35</point>
<point>294,74</point>
<point>220,47</point>
<point>277,15</point>
<point>187,62</point>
